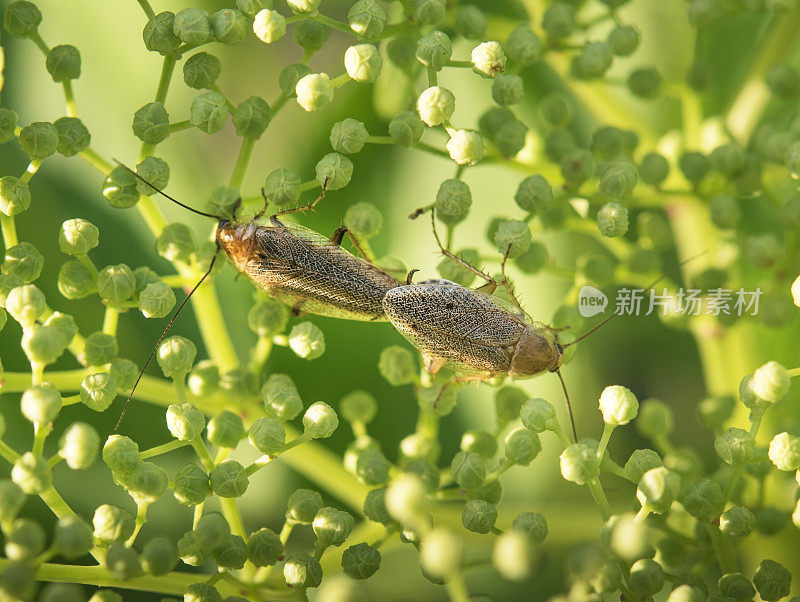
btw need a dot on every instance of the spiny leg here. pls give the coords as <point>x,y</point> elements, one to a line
<point>506,284</point>
<point>338,236</point>
<point>476,378</point>
<point>490,282</point>
<point>263,210</point>
<point>309,207</point>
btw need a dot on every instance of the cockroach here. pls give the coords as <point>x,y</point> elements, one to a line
<point>295,265</point>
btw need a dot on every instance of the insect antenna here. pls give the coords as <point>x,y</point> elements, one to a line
<point>648,287</point>
<point>165,195</point>
<point>163,334</point>
<point>569,406</point>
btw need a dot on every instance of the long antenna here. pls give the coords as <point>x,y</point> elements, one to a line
<point>648,287</point>
<point>569,405</point>
<point>165,195</point>
<point>161,338</point>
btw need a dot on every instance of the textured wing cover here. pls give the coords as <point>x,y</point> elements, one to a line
<point>303,269</point>
<point>460,326</point>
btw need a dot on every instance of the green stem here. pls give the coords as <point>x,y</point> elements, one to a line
<point>179,125</point>
<point>332,23</point>
<point>202,452</point>
<point>167,68</point>
<point>231,512</point>
<point>599,496</point>
<point>163,449</point>
<point>726,556</point>
<point>242,161</point>
<point>7,453</point>
<point>604,439</point>
<point>457,589</point>
<point>460,64</point>
<point>69,99</point>
<point>110,321</point>
<point>8,229</point>
<point>148,10</point>
<point>380,140</point>
<point>96,160</point>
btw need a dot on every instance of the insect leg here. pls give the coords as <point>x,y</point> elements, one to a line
<point>309,207</point>
<point>163,334</point>
<point>263,210</point>
<point>506,284</point>
<point>338,236</point>
<point>449,254</point>
<point>477,378</point>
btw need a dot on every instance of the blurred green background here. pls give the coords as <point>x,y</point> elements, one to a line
<point>118,76</point>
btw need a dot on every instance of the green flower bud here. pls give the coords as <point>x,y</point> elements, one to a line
<point>15,196</point>
<point>8,123</point>
<point>12,499</point>
<point>618,179</point>
<point>645,82</point>
<point>120,188</point>
<point>311,35</point>
<point>704,500</point>
<point>150,124</point>
<point>26,304</point>
<point>191,550</point>
<point>507,89</point>
<point>41,403</point>
<point>772,580</point>
<point>62,592</point>
<point>538,415</point>
<point>737,522</point>
<point>784,451</point>
<point>121,454</point>
<point>192,26</point>
<point>559,20</point>
<point>618,405</point>
<point>264,547</point>
<point>100,349</point>
<point>78,445</point>
<point>479,442</point>
<point>348,136</point>
<point>334,171</point>
<point>72,538</point>
<point>579,462</point>
<point>185,422</point>
<point>405,499</point>
<point>176,356</point>
<point>453,200</point>
<point>612,220</point>
<point>232,554</point>
<point>396,364</point>
<point>225,429</point>
<point>302,570</point>
<point>116,283</point>
<point>78,237</point>
<point>406,129</point>
<point>522,446</point>
<point>251,7</point>
<point>359,407</point>
<point>736,586</point>
<point>375,506</point>
<point>770,382</point>
<point>363,63</point>
<point>332,526</point>
<point>510,138</point>
<point>533,525</point>
<point>73,137</point>
<point>268,436</point>
<point>646,578</point>
<point>363,220</point>
<point>229,26</point>
<point>43,344</point>
<point>655,419</point>
<point>694,166</point>
<point>65,323</point>
<point>508,403</point>
<point>17,580</point>
<point>488,59</point>
<point>39,140</point>
<point>22,18</point>
<point>595,268</point>
<point>24,540</point>
<point>269,26</point>
<point>23,260</point>
<point>307,7</point>
<point>465,147</point>
<point>303,506</point>
<point>112,523</point>
<point>229,479</point>
<point>436,105</point>
<point>307,341</point>
<point>478,516</point>
<point>320,420</point>
<point>735,446</point>
<point>725,212</point>
<point>468,470</point>
<point>592,61</point>
<point>653,169</point>
<point>191,485</point>
<point>440,553</point>
<point>559,144</point>
<point>314,91</point>
<point>640,462</point>
<point>209,112</point>
<point>434,50</point>
<point>513,238</point>
<point>159,556</point>
<point>201,70</point>
<point>715,411</point>
<point>512,556</point>
<point>728,159</point>
<point>63,63</point>
<point>455,272</point>
<point>176,243</point>
<point>366,18</point>
<point>290,75</point>
<point>158,35</point>
<point>281,399</point>
<point>623,39</point>
<point>156,300</point>
<point>238,383</point>
<point>371,466</point>
<point>361,561</point>
<point>524,46</point>
<point>203,380</point>
<point>657,489</point>
<point>557,111</point>
<point>470,22</point>
<point>577,166</point>
<point>122,562</point>
<point>771,520</point>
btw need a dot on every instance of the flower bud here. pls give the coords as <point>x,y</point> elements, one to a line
<point>12,499</point>
<point>363,220</point>
<point>653,169</point>
<point>63,63</point>
<point>159,556</point>
<point>100,349</point>
<point>264,547</point>
<point>252,117</point>
<point>641,461</point>
<point>737,522</point>
<point>121,454</point>
<point>281,399</point>
<point>334,171</point>
<point>282,187</point>
<point>23,260</point>
<point>479,442</point>
<point>736,586</point>
<point>156,300</point>
<point>735,446</point>
<point>507,90</point>
<point>203,380</point>
<point>158,35</point>
<point>510,138</point>
<point>694,166</point>
<point>302,570</point>
<point>657,489</point>
<point>43,344</point>
<point>577,166</point>
<point>772,580</point>
<point>24,540</point>
<point>192,26</point>
<point>468,470</point>
<point>645,82</point>
<point>406,129</point>
<point>478,516</point>
<point>303,506</point>
<point>770,382</point>
<point>229,479</point>
<point>465,147</point>
<point>332,526</point>
<point>289,76</point>
<point>361,561</point>
<point>522,446</point>
<point>41,403</point>
<point>112,523</point>
<point>201,70</point>
<point>15,196</point>
<point>116,283</point>
<point>593,60</point>
<point>363,63</point>
<point>147,482</point>
<point>311,35</point>
<point>8,123</point>
<point>453,200</point>
<point>440,553</point>
<point>26,304</point>
<point>655,419</point>
<point>524,46</point>
<point>120,188</point>
<point>405,499</point>
<point>366,18</point>
<point>39,140</point>
<point>396,364</point>
<point>225,429</point>
<point>348,136</point>
<point>176,356</point>
<point>185,422</point>
<point>66,324</point>
<point>618,179</point>
<point>150,124</point>
<point>78,237</point>
<point>191,485</point>
<point>122,562</point>
<point>488,59</point>
<point>268,436</point>
<point>78,445</point>
<point>436,105</point>
<point>269,25</point>
<point>434,50</point>
<point>320,420</point>
<point>470,22</point>
<point>513,238</point>
<point>579,462</point>
<point>314,91</point>
<point>646,578</point>
<point>98,391</point>
<point>559,20</point>
<point>371,466</point>
<point>191,550</point>
<point>231,554</point>
<point>623,39</point>
<point>704,500</point>
<point>618,405</point>
<point>229,26</point>
<point>72,538</point>
<point>209,112</point>
<point>307,340</point>
<point>22,18</point>
<point>359,407</point>
<point>784,451</point>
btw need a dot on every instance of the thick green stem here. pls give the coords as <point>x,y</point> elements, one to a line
<point>599,496</point>
<point>242,161</point>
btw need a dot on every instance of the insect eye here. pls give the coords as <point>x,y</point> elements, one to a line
<point>560,348</point>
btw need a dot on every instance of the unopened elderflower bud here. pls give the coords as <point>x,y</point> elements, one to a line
<point>770,382</point>
<point>618,405</point>
<point>579,462</point>
<point>314,91</point>
<point>784,452</point>
<point>363,63</point>
<point>320,420</point>
<point>488,59</point>
<point>436,105</point>
<point>465,147</point>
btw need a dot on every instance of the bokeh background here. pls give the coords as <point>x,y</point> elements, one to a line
<point>652,359</point>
